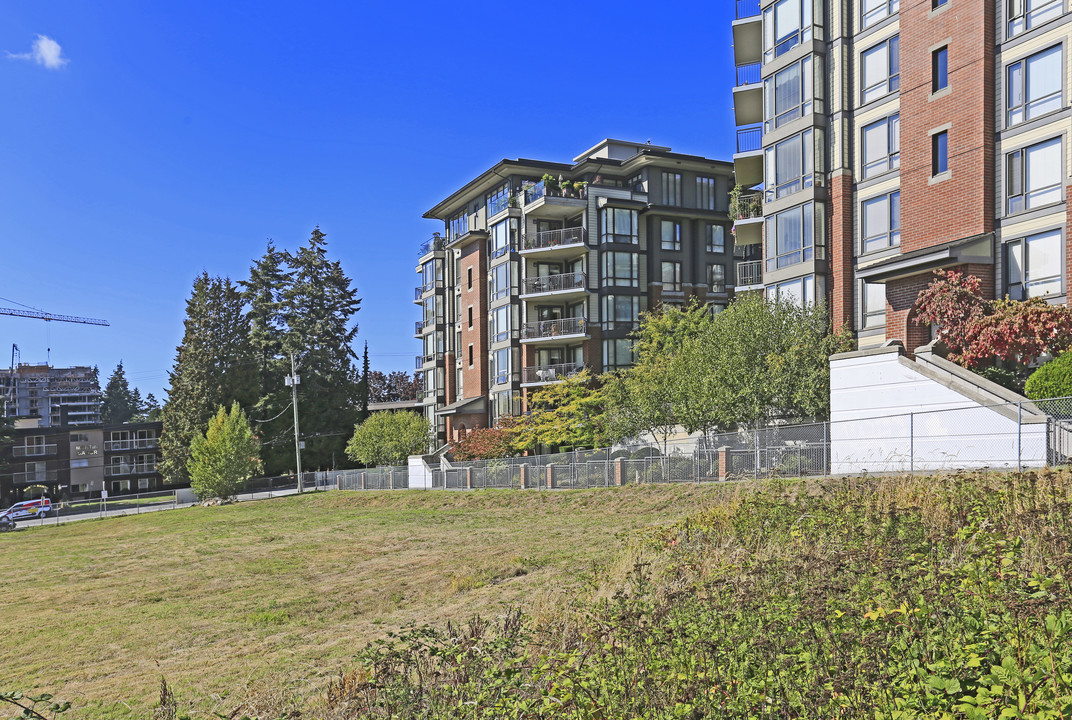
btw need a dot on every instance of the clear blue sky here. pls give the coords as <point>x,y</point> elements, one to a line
<point>141,143</point>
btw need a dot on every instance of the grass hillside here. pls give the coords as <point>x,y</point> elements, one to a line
<point>271,598</point>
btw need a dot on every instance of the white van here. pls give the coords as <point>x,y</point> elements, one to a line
<point>38,508</point>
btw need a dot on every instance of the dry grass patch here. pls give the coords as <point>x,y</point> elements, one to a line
<point>282,593</point>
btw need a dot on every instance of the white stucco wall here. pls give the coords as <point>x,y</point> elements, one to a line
<point>420,473</point>
<point>889,415</point>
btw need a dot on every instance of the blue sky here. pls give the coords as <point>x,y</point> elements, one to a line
<point>162,139</point>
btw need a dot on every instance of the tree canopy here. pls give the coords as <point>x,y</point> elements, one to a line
<point>389,438</point>
<point>225,456</point>
<point>118,403</point>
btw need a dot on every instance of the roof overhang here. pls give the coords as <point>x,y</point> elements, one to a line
<point>977,249</point>
<point>465,406</point>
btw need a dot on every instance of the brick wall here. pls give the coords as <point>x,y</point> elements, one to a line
<point>475,376</point>
<point>901,295</point>
<point>840,232</point>
<point>963,205</point>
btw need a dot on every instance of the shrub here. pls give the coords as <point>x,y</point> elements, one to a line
<point>1052,380</point>
<point>389,438</point>
<point>1003,377</point>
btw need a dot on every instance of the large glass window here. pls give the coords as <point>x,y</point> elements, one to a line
<point>497,200</point>
<point>871,11</point>
<point>617,354</point>
<point>716,238</point>
<point>670,232</point>
<point>881,69</point>
<point>498,240</point>
<point>881,146</point>
<point>500,366</point>
<point>1034,85</point>
<point>671,276</point>
<point>873,305</point>
<point>432,275</point>
<point>882,222</point>
<point>620,311</point>
<point>459,225</point>
<point>790,237</point>
<point>1033,176</point>
<point>1026,14</point>
<point>621,269</point>
<point>786,24</point>
<point>671,188</point>
<point>705,193</point>
<point>500,281</point>
<point>799,292</point>
<point>619,225</point>
<point>716,278</point>
<point>500,323</point>
<point>790,166</point>
<point>789,94</point>
<point>1034,266</point>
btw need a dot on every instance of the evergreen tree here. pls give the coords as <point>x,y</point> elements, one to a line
<point>214,366</point>
<point>363,388</point>
<point>119,404</point>
<point>150,409</point>
<point>318,307</point>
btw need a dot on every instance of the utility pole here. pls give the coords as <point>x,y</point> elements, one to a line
<point>293,379</point>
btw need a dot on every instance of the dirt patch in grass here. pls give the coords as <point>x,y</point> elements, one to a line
<point>284,592</point>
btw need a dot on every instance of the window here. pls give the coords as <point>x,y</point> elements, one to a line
<point>881,69</point>
<point>882,222</point>
<point>503,403</point>
<point>1033,86</point>
<point>671,235</point>
<point>433,312</point>
<point>83,463</point>
<point>143,483</point>
<point>1034,266</point>
<point>881,146</point>
<point>470,354</point>
<point>620,311</point>
<point>459,225</point>
<point>497,200</point>
<point>716,278</point>
<point>470,316</point>
<point>469,276</point>
<point>705,193</point>
<point>79,437</point>
<point>671,276</point>
<point>939,152</point>
<point>790,237</point>
<point>620,269</point>
<point>1026,14</point>
<point>1033,176</point>
<point>790,166</point>
<point>799,292</point>
<point>500,366</point>
<point>617,354</point>
<point>786,24</point>
<point>873,305</point>
<point>871,11</point>
<point>716,238</point>
<point>671,188</point>
<point>501,328</point>
<point>935,4</point>
<point>619,225</point>
<point>939,69</point>
<point>500,281</point>
<point>789,94</point>
<point>499,240</point>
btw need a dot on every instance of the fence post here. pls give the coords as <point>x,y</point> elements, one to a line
<point>618,472</point>
<point>826,447</point>
<point>523,468</point>
<point>912,443</point>
<point>1019,435</point>
<point>468,478</point>
<point>550,481</point>
<point>756,444</point>
<point>723,462</point>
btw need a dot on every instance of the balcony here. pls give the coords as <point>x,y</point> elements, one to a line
<point>748,101</point>
<point>131,444</point>
<point>437,243</point>
<point>543,374</point>
<point>430,358</point>
<point>554,330</point>
<point>748,220</point>
<point>29,478</point>
<point>561,286</point>
<point>418,328</point>
<point>747,33</point>
<point>421,290</point>
<point>554,243</point>
<point>120,469</point>
<point>497,205</point>
<point>25,451</point>
<point>749,274</point>
<point>541,201</point>
<point>749,74</point>
<point>748,160</point>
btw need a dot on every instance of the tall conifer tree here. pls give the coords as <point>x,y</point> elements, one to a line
<point>119,404</point>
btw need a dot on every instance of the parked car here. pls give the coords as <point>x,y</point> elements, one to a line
<point>38,508</point>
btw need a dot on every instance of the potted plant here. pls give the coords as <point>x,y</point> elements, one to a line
<point>735,203</point>
<point>579,188</point>
<point>550,183</point>
<point>567,188</point>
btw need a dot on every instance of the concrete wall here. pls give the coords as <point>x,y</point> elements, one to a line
<point>892,414</point>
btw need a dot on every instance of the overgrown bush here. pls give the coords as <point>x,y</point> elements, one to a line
<point>1052,380</point>
<point>1004,377</point>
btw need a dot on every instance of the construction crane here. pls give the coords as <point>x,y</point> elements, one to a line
<point>49,317</point>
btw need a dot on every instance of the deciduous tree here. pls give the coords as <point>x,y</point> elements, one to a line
<point>225,456</point>
<point>389,438</point>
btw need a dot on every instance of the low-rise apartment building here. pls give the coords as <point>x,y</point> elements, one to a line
<point>543,268</point>
<point>880,140</point>
<point>76,462</point>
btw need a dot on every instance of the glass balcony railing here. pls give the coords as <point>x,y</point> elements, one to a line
<point>120,469</point>
<point>39,476</point>
<point>552,238</point>
<point>437,242</point>
<point>497,204</point>
<point>542,329</point>
<point>550,373</point>
<point>554,283</point>
<point>24,451</point>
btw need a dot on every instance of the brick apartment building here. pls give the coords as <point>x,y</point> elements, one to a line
<point>882,139</point>
<point>531,281</point>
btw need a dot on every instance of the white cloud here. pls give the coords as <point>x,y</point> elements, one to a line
<point>46,51</point>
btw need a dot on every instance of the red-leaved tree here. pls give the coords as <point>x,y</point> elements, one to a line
<point>485,443</point>
<point>978,331</point>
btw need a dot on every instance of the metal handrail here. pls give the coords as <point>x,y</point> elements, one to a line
<point>749,139</point>
<point>552,238</point>
<point>35,476</point>
<point>550,373</point>
<point>554,283</point>
<point>33,450</point>
<point>749,273</point>
<point>749,74</point>
<point>747,9</point>
<point>749,207</point>
<point>554,328</point>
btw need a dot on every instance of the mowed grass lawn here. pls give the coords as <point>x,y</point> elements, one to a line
<point>279,594</point>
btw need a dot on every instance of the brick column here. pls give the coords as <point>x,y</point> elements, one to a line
<point>524,476</point>
<point>842,290</point>
<point>550,481</point>
<point>468,478</point>
<point>618,472</point>
<point>723,462</point>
